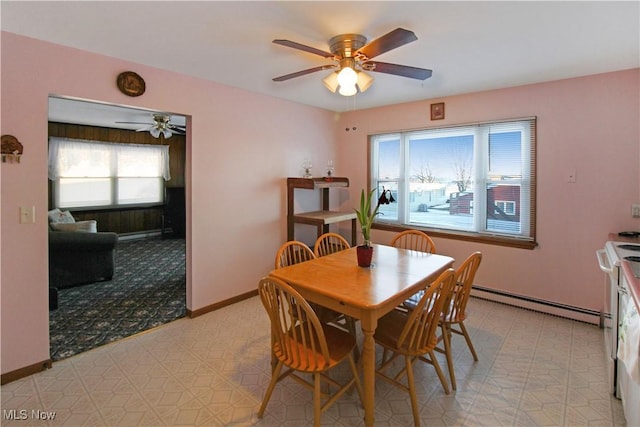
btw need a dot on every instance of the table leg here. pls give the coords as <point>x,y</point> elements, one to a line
<point>369,374</point>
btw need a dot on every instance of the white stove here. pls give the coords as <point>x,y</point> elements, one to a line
<point>617,251</point>
<point>621,322</point>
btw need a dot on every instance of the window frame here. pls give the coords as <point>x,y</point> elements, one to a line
<point>484,236</point>
<point>507,206</point>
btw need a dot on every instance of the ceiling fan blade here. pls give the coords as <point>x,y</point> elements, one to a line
<point>303,72</point>
<point>176,130</point>
<point>145,129</point>
<point>134,123</point>
<point>399,70</point>
<point>392,40</point>
<point>305,48</point>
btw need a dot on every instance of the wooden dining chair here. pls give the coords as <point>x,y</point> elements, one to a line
<point>302,344</point>
<point>454,313</point>
<point>329,243</point>
<point>412,334</point>
<point>294,252</point>
<point>415,240</point>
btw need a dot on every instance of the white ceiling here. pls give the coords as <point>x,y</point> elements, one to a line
<point>470,46</point>
<point>65,110</point>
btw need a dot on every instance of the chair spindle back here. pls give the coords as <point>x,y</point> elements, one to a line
<point>419,334</point>
<point>293,252</point>
<point>329,243</point>
<point>465,274</point>
<point>414,240</point>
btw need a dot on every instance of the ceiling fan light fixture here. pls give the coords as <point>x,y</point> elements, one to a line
<point>347,77</point>
<point>155,132</point>
<point>331,82</point>
<point>347,90</point>
<point>364,81</point>
<point>167,133</point>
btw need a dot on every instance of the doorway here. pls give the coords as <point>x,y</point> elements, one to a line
<point>148,287</point>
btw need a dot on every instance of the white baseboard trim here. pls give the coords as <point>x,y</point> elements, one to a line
<point>567,311</point>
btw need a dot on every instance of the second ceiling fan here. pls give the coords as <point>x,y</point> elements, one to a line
<point>351,55</point>
<point>161,126</point>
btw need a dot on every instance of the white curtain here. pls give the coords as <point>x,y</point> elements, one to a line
<point>78,158</point>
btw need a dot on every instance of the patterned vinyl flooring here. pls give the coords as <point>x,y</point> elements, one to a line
<point>534,370</point>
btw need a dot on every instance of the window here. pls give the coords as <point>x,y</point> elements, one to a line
<point>505,207</point>
<point>96,174</point>
<point>474,179</point>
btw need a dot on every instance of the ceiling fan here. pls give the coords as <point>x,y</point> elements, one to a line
<point>161,126</point>
<point>351,56</point>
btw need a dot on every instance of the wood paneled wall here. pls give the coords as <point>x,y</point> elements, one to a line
<point>130,220</point>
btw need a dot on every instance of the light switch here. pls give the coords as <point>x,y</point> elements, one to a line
<point>27,214</point>
<point>572,176</point>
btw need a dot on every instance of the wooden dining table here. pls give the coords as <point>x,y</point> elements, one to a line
<point>365,293</point>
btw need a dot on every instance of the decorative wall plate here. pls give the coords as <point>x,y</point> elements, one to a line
<point>131,84</point>
<point>11,148</point>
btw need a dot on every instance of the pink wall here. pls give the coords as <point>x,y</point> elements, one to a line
<point>588,124</point>
<point>241,146</point>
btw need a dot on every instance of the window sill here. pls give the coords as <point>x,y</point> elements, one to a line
<point>461,235</point>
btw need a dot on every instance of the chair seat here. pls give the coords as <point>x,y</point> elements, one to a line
<point>341,345</point>
<point>390,328</point>
<point>411,302</point>
<point>459,318</point>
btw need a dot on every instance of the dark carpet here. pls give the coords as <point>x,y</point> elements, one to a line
<point>147,290</point>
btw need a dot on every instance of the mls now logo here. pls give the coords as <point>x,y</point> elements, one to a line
<point>14,414</point>
<point>23,414</point>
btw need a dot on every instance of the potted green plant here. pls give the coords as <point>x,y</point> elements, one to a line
<point>365,217</point>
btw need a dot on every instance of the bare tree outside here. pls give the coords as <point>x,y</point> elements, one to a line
<point>463,170</point>
<point>424,174</point>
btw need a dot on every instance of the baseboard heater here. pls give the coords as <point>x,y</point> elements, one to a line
<point>535,304</point>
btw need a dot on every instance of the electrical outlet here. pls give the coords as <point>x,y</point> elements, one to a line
<point>635,210</point>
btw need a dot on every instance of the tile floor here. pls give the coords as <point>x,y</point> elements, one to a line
<point>534,370</point>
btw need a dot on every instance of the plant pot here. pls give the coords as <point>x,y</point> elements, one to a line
<point>364,253</point>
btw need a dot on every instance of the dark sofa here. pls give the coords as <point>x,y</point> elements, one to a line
<point>76,258</point>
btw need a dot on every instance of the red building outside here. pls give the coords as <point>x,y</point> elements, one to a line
<point>503,203</point>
